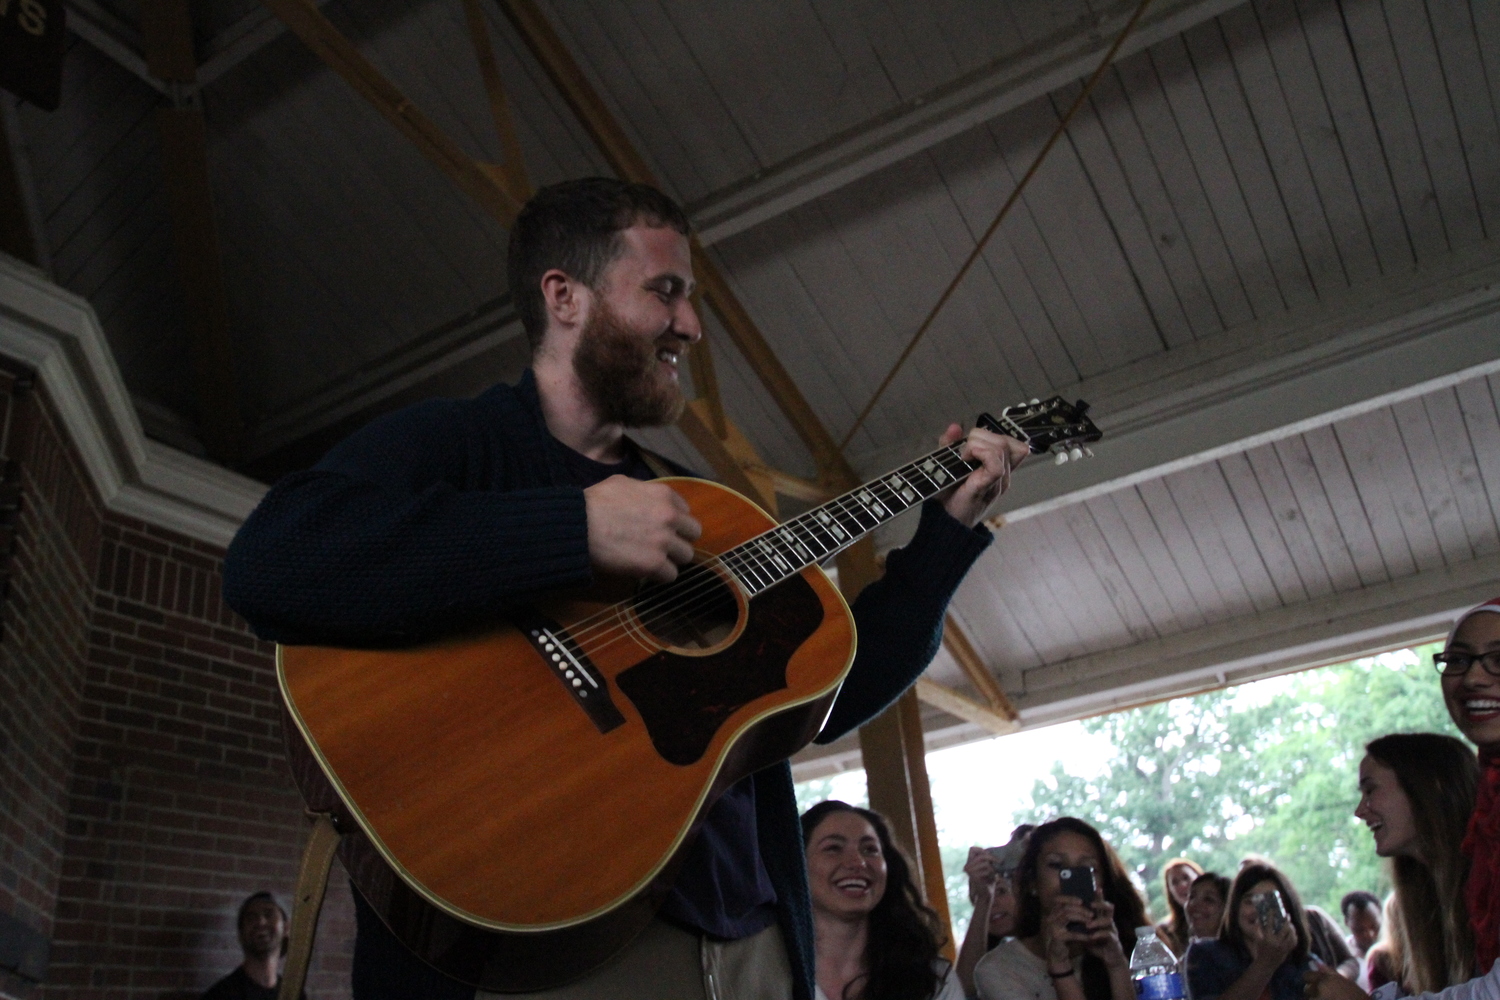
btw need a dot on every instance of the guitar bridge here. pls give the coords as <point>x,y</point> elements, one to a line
<point>572,667</point>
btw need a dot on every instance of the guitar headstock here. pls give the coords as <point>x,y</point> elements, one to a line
<point>1045,425</point>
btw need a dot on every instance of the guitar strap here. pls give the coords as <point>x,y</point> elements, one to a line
<point>654,462</point>
<point>312,884</point>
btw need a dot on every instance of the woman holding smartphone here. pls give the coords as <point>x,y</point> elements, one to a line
<point>1262,945</point>
<point>1077,908</point>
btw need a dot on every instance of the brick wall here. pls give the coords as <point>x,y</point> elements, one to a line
<point>143,788</point>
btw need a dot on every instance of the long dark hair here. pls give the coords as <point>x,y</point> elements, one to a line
<point>1130,909</point>
<point>1252,874</point>
<point>1440,778</point>
<point>904,932</point>
<point>1177,921</point>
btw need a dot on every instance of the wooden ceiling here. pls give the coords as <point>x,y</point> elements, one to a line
<point>1263,250</point>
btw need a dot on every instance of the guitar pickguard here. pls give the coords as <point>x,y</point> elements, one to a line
<point>685,699</point>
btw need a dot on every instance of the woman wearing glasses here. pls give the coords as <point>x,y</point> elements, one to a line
<point>1470,668</point>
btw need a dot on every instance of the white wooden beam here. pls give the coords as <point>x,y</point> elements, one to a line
<point>928,119</point>
<point>57,334</point>
<point>1366,348</point>
<point>1328,630</point>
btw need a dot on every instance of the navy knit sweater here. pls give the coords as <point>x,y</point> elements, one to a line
<point>438,516</point>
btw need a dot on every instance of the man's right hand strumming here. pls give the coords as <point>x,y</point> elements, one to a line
<point>641,530</point>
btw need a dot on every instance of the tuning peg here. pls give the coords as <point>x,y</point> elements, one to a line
<point>1076,454</point>
<point>1088,452</point>
<point>1061,459</point>
<point>1036,402</point>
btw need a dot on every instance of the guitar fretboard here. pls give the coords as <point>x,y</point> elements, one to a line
<point>813,537</point>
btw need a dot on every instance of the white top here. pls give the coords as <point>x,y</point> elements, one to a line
<point>950,990</point>
<point>1485,987</point>
<point>1009,971</point>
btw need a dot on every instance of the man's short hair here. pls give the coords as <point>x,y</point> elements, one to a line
<point>239,920</point>
<point>1358,899</point>
<point>575,227</point>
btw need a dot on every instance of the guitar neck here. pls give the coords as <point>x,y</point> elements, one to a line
<point>822,532</point>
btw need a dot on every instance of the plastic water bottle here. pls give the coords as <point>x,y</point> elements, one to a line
<point>1154,969</point>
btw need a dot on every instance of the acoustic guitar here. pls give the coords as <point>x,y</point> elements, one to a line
<point>515,803</point>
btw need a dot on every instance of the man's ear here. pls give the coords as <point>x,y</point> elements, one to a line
<point>564,296</point>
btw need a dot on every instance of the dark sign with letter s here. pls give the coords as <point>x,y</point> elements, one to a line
<point>31,50</point>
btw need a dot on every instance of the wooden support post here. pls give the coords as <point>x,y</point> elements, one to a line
<point>896,775</point>
<point>167,31</point>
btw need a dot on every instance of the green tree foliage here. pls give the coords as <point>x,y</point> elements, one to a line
<point>1266,769</point>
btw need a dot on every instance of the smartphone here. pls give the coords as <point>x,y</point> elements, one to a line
<point>1079,883</point>
<point>1271,911</point>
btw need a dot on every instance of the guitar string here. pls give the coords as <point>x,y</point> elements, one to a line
<point>754,565</point>
<point>611,625</point>
<point>753,568</point>
<point>708,583</point>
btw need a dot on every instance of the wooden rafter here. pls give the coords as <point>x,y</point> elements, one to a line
<point>487,184</point>
<point>623,158</point>
<point>956,641</point>
<point>961,706</point>
<point>514,164</point>
<point>167,31</point>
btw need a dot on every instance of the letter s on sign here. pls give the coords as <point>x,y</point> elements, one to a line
<point>33,16</point>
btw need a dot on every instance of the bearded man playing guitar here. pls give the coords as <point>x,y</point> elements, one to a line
<point>438,519</point>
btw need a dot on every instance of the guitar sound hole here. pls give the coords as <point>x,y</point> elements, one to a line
<point>695,611</point>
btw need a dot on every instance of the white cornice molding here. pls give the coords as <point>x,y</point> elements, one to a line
<point>56,333</point>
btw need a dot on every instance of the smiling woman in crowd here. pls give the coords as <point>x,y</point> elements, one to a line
<point>875,939</point>
<point>1066,949</point>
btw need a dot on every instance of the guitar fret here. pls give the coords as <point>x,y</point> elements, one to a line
<point>767,559</point>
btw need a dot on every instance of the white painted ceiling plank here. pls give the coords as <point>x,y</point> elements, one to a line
<point>1145,537</point>
<point>1181,183</point>
<point>1455,456</point>
<point>1257,528</point>
<point>1373,451</point>
<point>1319,146</point>
<point>1121,588</point>
<point>1219,535</point>
<point>1437,491</point>
<point>1268,477</point>
<point>1373,536</point>
<point>1380,72</point>
<point>1458,49</point>
<point>1224,199</point>
<point>1427,94</point>
<point>1277,129</point>
<point>1349,108</point>
<point>1349,567</point>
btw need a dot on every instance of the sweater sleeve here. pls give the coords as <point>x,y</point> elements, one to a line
<point>388,539</point>
<point>899,618</point>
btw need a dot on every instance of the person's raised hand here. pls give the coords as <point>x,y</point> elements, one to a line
<point>1326,984</point>
<point>982,873</point>
<point>997,455</point>
<point>1103,936</point>
<point>641,530</point>
<point>1057,935</point>
<point>1271,946</point>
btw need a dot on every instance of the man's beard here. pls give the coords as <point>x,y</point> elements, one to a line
<point>618,371</point>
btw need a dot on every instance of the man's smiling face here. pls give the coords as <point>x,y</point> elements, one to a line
<point>640,325</point>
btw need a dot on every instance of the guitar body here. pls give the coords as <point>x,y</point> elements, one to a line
<point>514,833</point>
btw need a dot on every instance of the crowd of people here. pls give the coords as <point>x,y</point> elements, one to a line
<point>1432,809</point>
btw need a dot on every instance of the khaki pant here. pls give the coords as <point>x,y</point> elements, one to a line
<point>668,963</point>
